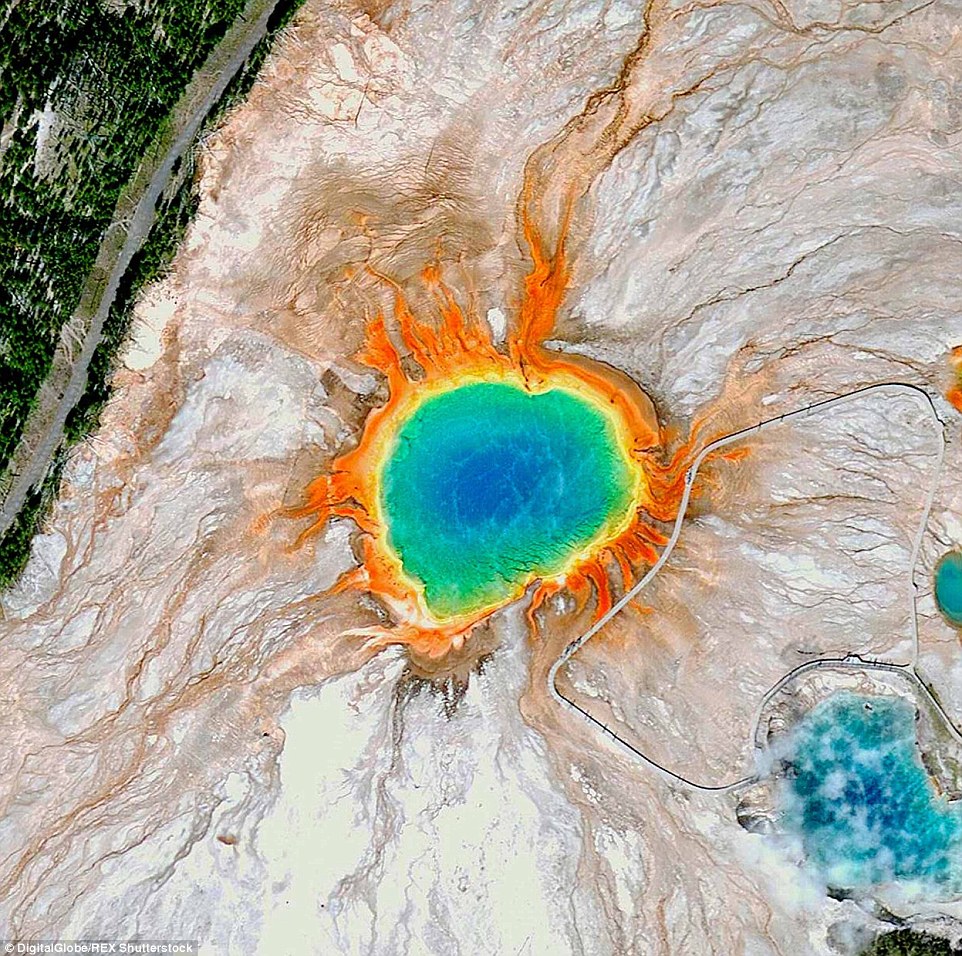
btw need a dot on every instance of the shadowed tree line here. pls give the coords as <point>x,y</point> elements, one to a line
<point>84,90</point>
<point>51,226</point>
<point>906,942</point>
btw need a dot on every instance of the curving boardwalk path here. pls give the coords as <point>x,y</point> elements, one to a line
<point>851,660</point>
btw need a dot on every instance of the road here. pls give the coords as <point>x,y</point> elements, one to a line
<point>908,670</point>
<point>43,432</point>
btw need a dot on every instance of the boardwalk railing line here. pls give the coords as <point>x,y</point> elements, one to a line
<point>849,660</point>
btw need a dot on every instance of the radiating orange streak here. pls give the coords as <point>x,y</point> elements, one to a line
<point>624,563</point>
<point>736,454</point>
<point>594,571</point>
<point>648,533</point>
<point>636,549</point>
<point>544,288</point>
<point>542,592</point>
<point>578,584</point>
<point>458,346</point>
<point>954,392</point>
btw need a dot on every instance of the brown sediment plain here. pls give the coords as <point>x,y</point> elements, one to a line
<point>767,198</point>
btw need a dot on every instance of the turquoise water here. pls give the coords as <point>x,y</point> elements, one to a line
<point>488,484</point>
<point>861,800</point>
<point>948,586</point>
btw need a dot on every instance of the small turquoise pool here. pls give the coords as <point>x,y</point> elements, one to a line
<point>488,485</point>
<point>948,587</point>
<point>861,801</point>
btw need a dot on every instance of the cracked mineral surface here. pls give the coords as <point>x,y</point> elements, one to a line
<point>763,203</point>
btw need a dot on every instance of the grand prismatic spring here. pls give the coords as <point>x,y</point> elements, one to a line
<point>488,471</point>
<point>489,483</point>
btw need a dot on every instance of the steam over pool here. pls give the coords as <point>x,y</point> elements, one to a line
<point>861,801</point>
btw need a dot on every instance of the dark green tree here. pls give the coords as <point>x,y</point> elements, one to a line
<point>906,942</point>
